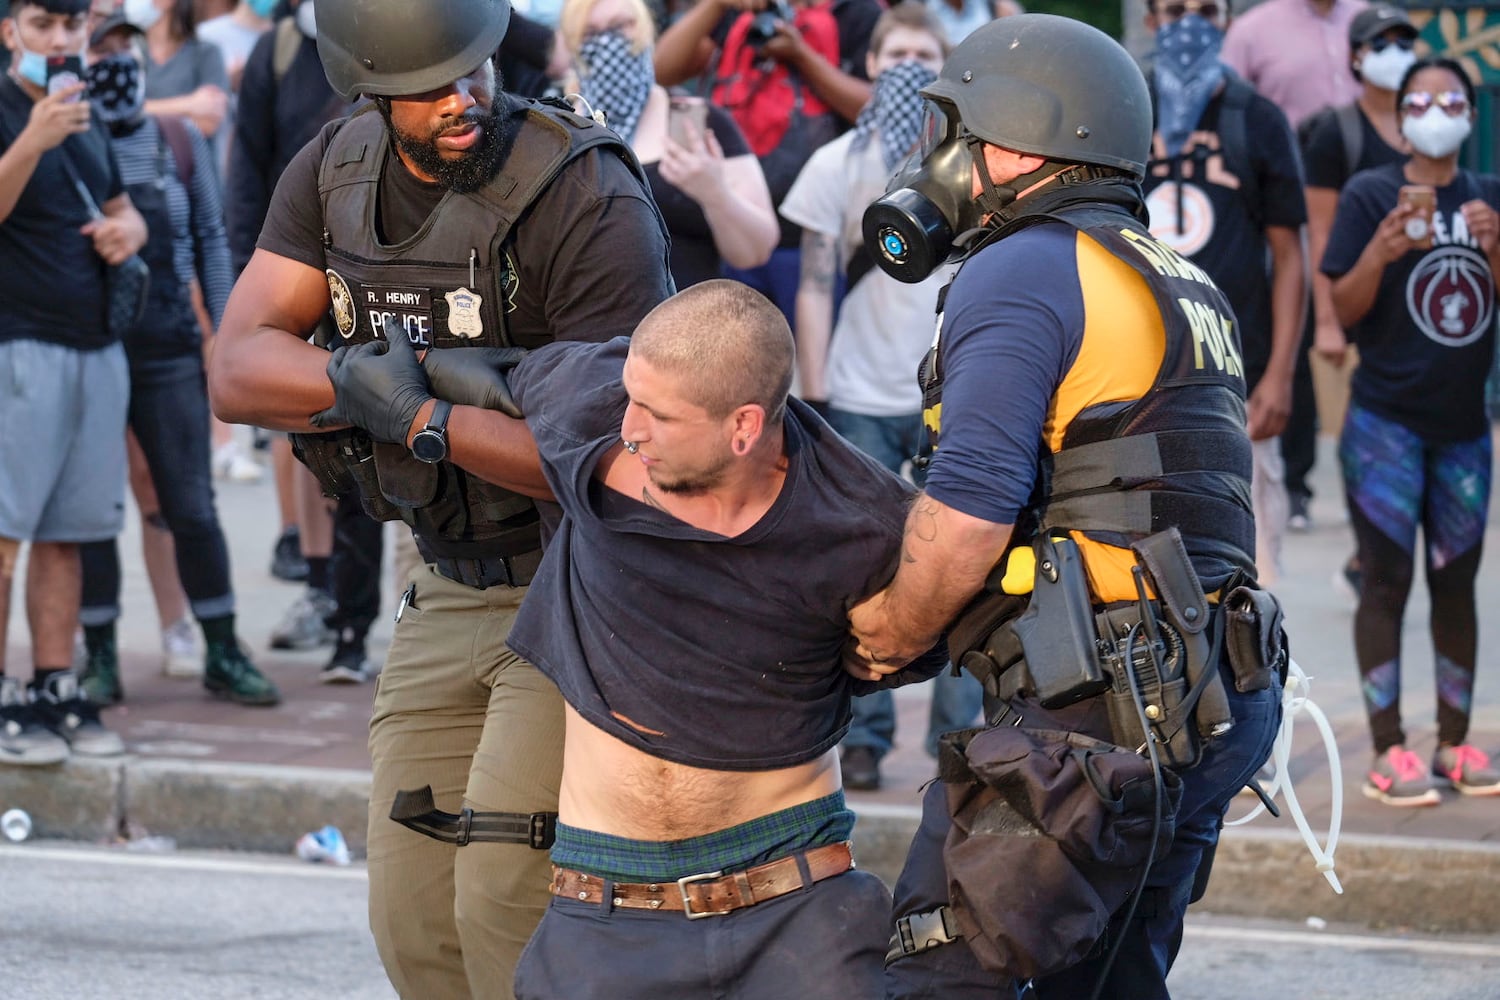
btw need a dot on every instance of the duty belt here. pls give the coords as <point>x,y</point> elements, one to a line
<point>710,894</point>
<point>490,571</point>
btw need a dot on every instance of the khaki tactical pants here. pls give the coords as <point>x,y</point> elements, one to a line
<point>457,710</point>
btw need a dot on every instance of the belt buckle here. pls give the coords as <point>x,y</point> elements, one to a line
<point>687,904</point>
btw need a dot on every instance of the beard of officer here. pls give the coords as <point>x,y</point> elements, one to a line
<point>437,141</point>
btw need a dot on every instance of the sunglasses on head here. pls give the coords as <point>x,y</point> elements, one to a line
<point>1207,11</point>
<point>1382,42</point>
<point>1453,102</point>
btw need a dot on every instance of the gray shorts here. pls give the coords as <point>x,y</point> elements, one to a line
<point>62,448</point>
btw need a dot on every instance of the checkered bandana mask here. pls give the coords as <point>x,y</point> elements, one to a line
<point>117,87</point>
<point>1187,73</point>
<point>895,109</point>
<point>615,80</point>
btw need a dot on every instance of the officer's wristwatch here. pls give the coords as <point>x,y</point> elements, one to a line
<point>430,444</point>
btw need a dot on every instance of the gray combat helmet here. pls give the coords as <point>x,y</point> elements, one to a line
<point>400,48</point>
<point>1050,86</point>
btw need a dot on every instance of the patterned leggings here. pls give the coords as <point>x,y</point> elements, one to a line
<point>1394,482</point>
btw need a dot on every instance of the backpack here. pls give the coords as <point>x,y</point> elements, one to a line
<point>284,49</point>
<point>1234,141</point>
<point>1351,133</point>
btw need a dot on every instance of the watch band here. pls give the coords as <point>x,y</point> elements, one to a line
<point>439,419</point>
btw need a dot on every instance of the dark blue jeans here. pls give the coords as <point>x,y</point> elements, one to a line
<point>1154,934</point>
<point>169,415</point>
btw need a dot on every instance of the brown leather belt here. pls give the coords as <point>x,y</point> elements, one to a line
<point>711,894</point>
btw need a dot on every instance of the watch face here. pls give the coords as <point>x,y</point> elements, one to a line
<point>429,446</point>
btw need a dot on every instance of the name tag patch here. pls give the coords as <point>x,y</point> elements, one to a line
<point>409,306</point>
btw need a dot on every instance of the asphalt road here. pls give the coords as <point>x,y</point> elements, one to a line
<point>81,922</point>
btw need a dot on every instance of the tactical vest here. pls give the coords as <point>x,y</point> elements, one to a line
<point>447,285</point>
<point>1179,454</point>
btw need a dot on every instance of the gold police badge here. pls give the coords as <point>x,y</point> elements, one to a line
<point>343,303</point>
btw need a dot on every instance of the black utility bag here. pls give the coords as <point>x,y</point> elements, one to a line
<point>127,283</point>
<point>1051,830</point>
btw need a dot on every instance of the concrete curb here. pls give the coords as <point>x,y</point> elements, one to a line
<point>1389,882</point>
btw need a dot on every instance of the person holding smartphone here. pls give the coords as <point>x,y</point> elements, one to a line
<point>1412,257</point>
<point>703,175</point>
<point>64,388</point>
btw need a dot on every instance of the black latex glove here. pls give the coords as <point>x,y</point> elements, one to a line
<point>474,376</point>
<point>378,386</point>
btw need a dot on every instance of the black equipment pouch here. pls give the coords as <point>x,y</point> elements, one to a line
<point>404,480</point>
<point>323,456</point>
<point>417,811</point>
<point>1255,638</point>
<point>1186,609</point>
<point>1050,830</point>
<point>1056,632</point>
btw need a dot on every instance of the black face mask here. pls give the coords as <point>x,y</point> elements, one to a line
<point>927,206</point>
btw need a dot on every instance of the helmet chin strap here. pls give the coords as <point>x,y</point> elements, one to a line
<point>995,200</point>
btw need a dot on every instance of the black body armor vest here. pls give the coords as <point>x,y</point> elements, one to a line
<point>1178,455</point>
<point>447,286</point>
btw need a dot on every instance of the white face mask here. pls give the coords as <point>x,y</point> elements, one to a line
<point>1384,69</point>
<point>1436,133</point>
<point>141,13</point>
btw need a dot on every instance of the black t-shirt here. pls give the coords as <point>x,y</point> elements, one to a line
<point>694,256</point>
<point>1325,160</point>
<point>726,648</point>
<point>590,256</point>
<point>1216,228</point>
<point>1426,344</point>
<point>52,281</point>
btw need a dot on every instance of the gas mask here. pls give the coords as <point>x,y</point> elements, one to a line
<point>912,229</point>
<point>928,214</point>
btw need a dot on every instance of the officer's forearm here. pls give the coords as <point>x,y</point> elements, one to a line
<point>494,447</point>
<point>945,557</point>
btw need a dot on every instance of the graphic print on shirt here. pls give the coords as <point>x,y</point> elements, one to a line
<point>1189,230</point>
<point>1450,295</point>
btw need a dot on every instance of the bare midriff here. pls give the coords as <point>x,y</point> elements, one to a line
<point>611,787</point>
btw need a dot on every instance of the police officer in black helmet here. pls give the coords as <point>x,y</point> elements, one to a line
<point>448,221</point>
<point>1084,537</point>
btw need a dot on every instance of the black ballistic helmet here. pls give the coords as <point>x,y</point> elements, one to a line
<point>399,48</point>
<point>1048,86</point>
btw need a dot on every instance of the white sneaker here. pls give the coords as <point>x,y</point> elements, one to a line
<point>181,655</point>
<point>230,462</point>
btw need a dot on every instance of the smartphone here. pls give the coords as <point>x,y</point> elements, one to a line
<point>682,109</point>
<point>64,72</point>
<point>1423,200</point>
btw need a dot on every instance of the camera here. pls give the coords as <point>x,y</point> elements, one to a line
<point>763,26</point>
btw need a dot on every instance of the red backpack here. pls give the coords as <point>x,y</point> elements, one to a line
<point>763,100</point>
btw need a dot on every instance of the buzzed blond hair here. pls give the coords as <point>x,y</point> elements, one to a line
<point>727,342</point>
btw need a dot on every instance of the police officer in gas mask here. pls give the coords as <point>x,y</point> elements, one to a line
<point>450,217</point>
<point>1084,537</point>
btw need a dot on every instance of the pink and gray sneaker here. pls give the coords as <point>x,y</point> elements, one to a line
<point>1399,778</point>
<point>1467,768</point>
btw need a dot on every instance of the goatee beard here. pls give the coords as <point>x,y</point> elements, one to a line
<point>468,172</point>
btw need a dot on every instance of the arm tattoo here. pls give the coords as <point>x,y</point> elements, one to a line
<point>921,523</point>
<point>819,260</point>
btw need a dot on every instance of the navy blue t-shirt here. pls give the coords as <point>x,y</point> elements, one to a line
<point>723,652</point>
<point>52,281</point>
<point>1426,344</point>
<point>1003,358</point>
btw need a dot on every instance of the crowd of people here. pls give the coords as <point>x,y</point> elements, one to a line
<point>625,304</point>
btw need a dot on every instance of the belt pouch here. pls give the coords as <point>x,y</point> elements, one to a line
<point>1057,629</point>
<point>1254,638</point>
<point>404,481</point>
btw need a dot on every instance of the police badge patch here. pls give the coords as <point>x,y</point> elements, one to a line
<point>343,303</point>
<point>463,313</point>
